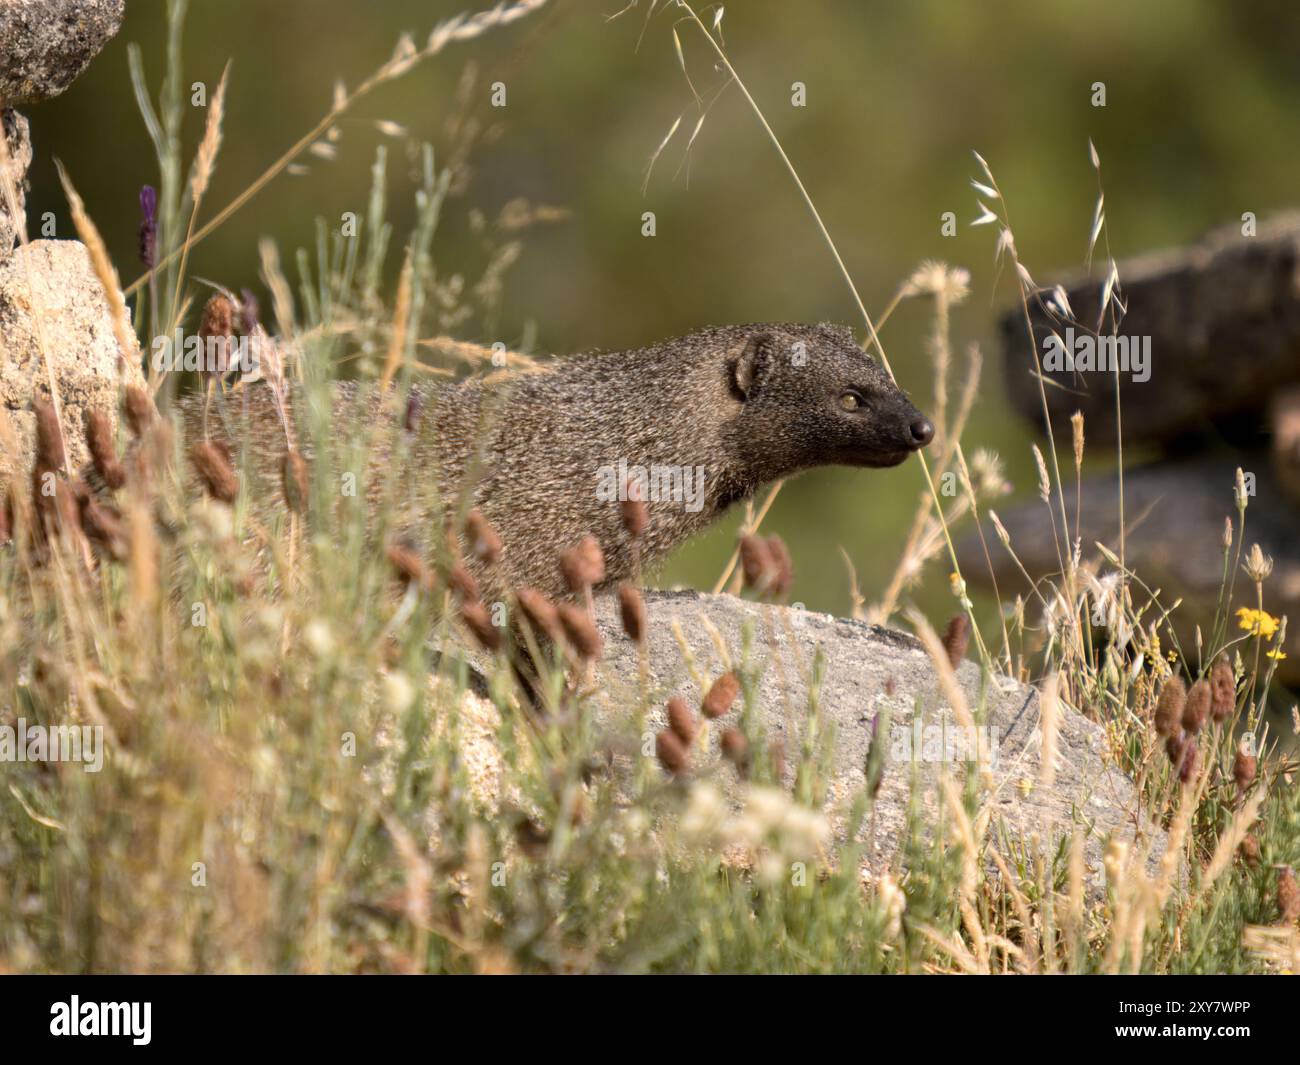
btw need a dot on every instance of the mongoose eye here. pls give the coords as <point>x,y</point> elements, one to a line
<point>850,401</point>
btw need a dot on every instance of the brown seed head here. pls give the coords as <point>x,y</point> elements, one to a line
<point>479,621</point>
<point>631,608</point>
<point>139,410</point>
<point>105,528</point>
<point>294,476</point>
<point>757,564</point>
<point>540,612</point>
<point>1223,691</point>
<point>1243,769</point>
<point>1191,758</point>
<point>50,454</point>
<point>484,543</point>
<point>212,463</point>
<point>672,753</point>
<point>682,720</point>
<point>409,565</point>
<point>1249,851</point>
<point>1174,747</point>
<point>721,694</point>
<point>463,583</point>
<point>735,748</point>
<point>216,328</point>
<point>776,752</point>
<point>956,638</point>
<point>414,409</point>
<point>580,630</point>
<point>103,449</point>
<point>1168,718</point>
<point>1196,709</point>
<point>635,517</point>
<point>583,565</point>
<point>782,566</point>
<point>1288,895</point>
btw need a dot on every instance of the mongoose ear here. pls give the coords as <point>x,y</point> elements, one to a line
<point>751,365</point>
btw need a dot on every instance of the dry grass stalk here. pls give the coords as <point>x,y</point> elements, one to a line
<point>105,272</point>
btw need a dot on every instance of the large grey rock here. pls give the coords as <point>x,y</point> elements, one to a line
<point>867,668</point>
<point>1174,513</point>
<point>46,44</point>
<point>1223,317</point>
<point>78,336</point>
<point>19,143</point>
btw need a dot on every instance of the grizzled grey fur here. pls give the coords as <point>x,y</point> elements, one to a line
<point>538,452</point>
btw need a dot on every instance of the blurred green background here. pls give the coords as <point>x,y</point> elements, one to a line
<point>1201,124</point>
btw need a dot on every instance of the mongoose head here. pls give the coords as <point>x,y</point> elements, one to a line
<point>813,395</point>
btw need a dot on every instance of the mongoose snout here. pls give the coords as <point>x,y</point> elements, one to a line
<point>691,425</point>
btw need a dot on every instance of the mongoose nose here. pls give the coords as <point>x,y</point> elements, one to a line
<point>922,432</point>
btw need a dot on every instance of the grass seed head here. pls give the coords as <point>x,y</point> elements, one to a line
<point>956,639</point>
<point>1168,719</point>
<point>212,463</point>
<point>682,720</point>
<point>635,517</point>
<point>140,411</point>
<point>631,609</point>
<point>540,612</point>
<point>1196,708</point>
<point>581,631</point>
<point>409,565</point>
<point>484,543</point>
<point>1244,767</point>
<point>103,449</point>
<point>479,621</point>
<point>583,565</point>
<point>463,583</point>
<point>735,748</point>
<point>782,566</point>
<point>721,694</point>
<point>672,754</point>
<point>1223,691</point>
<point>756,564</point>
<point>294,477</point>
<point>50,453</point>
<point>1288,895</point>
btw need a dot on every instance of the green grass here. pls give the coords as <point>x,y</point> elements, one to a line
<point>288,786</point>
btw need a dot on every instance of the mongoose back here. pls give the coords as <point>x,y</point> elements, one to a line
<point>692,424</point>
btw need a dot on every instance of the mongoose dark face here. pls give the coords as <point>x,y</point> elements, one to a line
<point>813,390</point>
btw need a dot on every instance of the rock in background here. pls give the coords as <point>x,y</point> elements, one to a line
<point>75,332</point>
<point>1223,316</point>
<point>46,44</point>
<point>18,141</point>
<point>54,316</point>
<point>867,668</point>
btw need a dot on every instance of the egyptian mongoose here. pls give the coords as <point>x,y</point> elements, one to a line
<point>692,424</point>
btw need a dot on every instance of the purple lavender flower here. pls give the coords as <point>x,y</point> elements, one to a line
<point>148,226</point>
